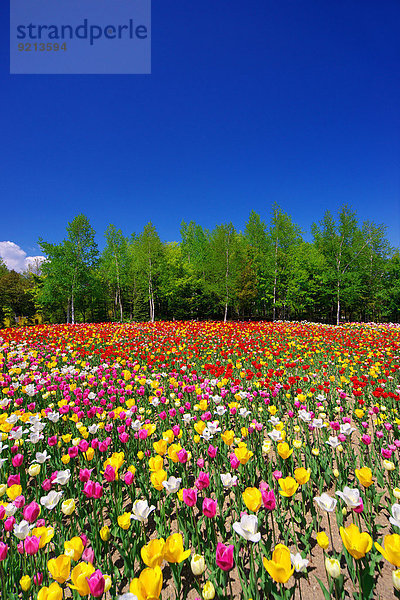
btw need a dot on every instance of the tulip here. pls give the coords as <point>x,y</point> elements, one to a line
<point>198,565</point>
<point>105,533</point>
<point>252,498</point>
<point>60,568</point>
<point>157,478</point>
<point>325,502</point>
<point>141,510</point>
<point>288,487</point>
<point>203,481</point>
<point>284,451</point>
<point>280,567</point>
<point>209,507</point>
<point>208,591</point>
<point>96,583</point>
<point>31,545</point>
<point>332,566</point>
<point>392,549</point>
<point>247,528</point>
<point>80,576</point>
<point>53,592</point>
<point>396,579</point>
<point>3,551</point>
<point>153,553</point>
<point>189,496</point>
<point>31,512</point>
<point>124,521</point>
<point>355,542</point>
<point>173,550</point>
<point>25,582</point>
<point>322,540</point>
<point>74,548</point>
<point>364,476</point>
<point>148,585</point>
<point>302,475</point>
<point>351,496</point>
<point>300,564</point>
<point>224,556</point>
<point>68,506</point>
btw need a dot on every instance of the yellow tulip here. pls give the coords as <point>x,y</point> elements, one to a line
<point>322,540</point>
<point>355,542</point>
<point>302,475</point>
<point>392,549</point>
<point>284,451</point>
<point>199,427</point>
<point>45,535</point>
<point>105,533</point>
<point>73,548</point>
<point>156,463</point>
<point>53,592</point>
<point>153,553</point>
<point>280,567</point>
<point>160,447</point>
<point>173,551</point>
<point>25,582</point>
<point>208,591</point>
<point>60,568</point>
<point>364,476</point>
<point>252,498</point>
<point>79,577</point>
<point>148,585</point>
<point>288,486</point>
<point>173,451</point>
<point>14,491</point>
<point>68,506</point>
<point>157,478</point>
<point>124,521</point>
<point>228,437</point>
<point>243,454</point>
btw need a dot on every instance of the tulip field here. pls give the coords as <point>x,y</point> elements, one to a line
<point>200,460</point>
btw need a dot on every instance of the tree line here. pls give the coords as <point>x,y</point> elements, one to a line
<point>349,272</point>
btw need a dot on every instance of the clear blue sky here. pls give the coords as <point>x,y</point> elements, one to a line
<point>248,103</point>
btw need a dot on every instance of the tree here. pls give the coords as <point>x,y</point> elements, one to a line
<point>114,264</point>
<point>257,262</point>
<point>223,264</point>
<point>149,252</point>
<point>342,245</point>
<point>69,268</point>
<point>283,236</point>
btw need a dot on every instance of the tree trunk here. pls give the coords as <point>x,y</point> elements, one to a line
<point>226,285</point>
<point>275,279</point>
<point>338,303</point>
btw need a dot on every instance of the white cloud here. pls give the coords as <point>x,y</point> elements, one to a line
<point>15,258</point>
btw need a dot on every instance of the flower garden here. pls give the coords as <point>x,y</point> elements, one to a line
<point>200,460</point>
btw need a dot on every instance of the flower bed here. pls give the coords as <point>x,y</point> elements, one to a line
<point>237,460</point>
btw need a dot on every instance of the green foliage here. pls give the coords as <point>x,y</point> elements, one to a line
<point>348,272</point>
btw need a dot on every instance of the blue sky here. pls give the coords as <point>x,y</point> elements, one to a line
<point>247,104</point>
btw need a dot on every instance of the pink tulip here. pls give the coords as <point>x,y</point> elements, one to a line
<point>182,455</point>
<point>31,512</point>
<point>17,460</point>
<point>88,555</point>
<point>84,475</point>
<point>96,583</point>
<point>189,496</point>
<point>31,545</point>
<point>212,451</point>
<point>268,498</point>
<point>203,481</point>
<point>224,556</point>
<point>3,551</point>
<point>109,473</point>
<point>209,508</point>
